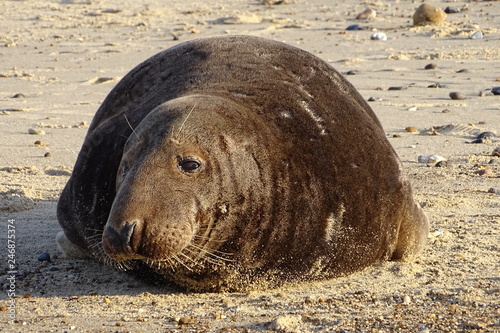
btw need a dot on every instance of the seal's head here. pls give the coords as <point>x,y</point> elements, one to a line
<point>177,195</point>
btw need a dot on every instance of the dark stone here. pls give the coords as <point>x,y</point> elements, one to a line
<point>494,190</point>
<point>44,256</point>
<point>457,95</point>
<point>452,10</point>
<point>484,137</point>
<point>353,27</point>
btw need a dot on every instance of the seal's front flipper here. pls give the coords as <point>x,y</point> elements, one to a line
<point>70,249</point>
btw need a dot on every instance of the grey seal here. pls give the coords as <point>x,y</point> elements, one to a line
<point>232,163</point>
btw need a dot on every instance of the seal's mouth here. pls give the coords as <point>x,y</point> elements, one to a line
<point>132,240</point>
<point>168,247</point>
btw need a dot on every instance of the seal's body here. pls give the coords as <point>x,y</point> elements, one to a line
<point>237,162</point>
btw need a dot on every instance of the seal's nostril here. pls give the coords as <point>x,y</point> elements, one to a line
<point>112,238</point>
<point>120,241</point>
<point>126,235</point>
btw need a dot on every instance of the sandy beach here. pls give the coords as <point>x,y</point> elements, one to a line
<point>59,60</point>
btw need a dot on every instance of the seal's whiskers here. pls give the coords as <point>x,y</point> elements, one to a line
<point>206,238</point>
<point>179,260</point>
<point>187,117</point>
<point>187,257</point>
<point>211,255</point>
<point>133,131</point>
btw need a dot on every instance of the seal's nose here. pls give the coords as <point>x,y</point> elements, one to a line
<point>117,243</point>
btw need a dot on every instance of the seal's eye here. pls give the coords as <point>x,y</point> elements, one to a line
<point>189,165</point>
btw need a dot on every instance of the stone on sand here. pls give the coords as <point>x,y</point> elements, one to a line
<point>428,15</point>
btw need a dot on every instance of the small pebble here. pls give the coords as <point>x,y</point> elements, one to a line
<point>407,299</point>
<point>185,320</point>
<point>413,108</point>
<point>476,35</point>
<point>446,111</point>
<point>367,14</point>
<point>352,72</point>
<point>452,10</point>
<point>430,66</point>
<point>430,159</point>
<point>435,233</point>
<point>435,85</point>
<point>494,190</point>
<point>47,154</point>
<point>396,88</point>
<point>36,131</point>
<point>411,129</point>
<point>441,164</point>
<point>463,70</point>
<point>353,27</point>
<point>484,137</point>
<point>456,95</point>
<point>44,256</point>
<point>378,36</point>
<point>496,152</point>
<point>53,269</point>
<point>481,94</point>
<point>495,90</point>
<point>484,172</point>
<point>308,300</point>
<point>39,143</point>
<point>19,95</point>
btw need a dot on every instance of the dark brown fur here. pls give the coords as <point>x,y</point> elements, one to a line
<point>297,179</point>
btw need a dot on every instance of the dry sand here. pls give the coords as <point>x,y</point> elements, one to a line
<point>63,57</point>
